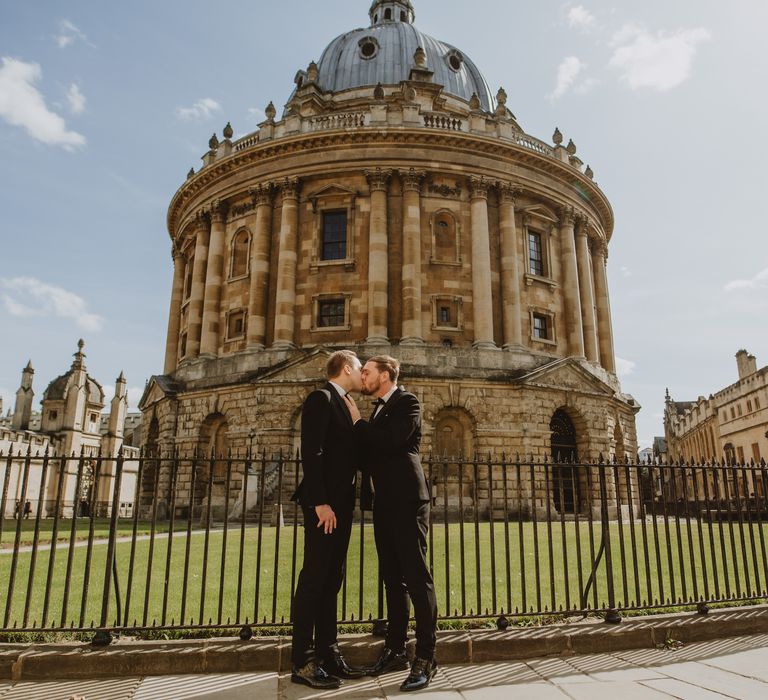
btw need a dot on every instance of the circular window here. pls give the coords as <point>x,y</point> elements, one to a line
<point>455,61</point>
<point>369,47</point>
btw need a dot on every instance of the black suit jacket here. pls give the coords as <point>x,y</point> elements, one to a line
<point>328,450</point>
<point>390,448</point>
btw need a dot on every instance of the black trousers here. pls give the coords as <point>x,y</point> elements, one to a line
<point>315,598</point>
<point>401,542</point>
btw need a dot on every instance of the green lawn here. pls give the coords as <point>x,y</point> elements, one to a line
<point>101,530</point>
<point>673,573</point>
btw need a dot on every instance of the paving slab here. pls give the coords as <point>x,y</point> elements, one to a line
<point>103,689</point>
<point>232,686</point>
<point>596,690</point>
<point>539,690</point>
<point>711,678</point>
<point>682,690</point>
<point>466,678</point>
<point>558,671</point>
<point>361,689</point>
<point>606,667</point>
<point>751,664</point>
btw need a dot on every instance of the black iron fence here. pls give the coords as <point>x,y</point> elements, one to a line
<point>141,541</point>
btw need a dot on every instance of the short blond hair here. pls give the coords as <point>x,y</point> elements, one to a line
<point>338,361</point>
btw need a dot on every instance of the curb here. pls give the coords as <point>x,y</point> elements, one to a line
<point>127,658</point>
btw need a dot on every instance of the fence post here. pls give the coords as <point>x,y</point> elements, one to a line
<point>103,637</point>
<point>612,615</point>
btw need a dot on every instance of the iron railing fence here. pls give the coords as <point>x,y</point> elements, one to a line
<point>161,542</point>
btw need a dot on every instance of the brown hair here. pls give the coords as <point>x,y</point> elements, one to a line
<point>385,363</point>
<point>338,361</point>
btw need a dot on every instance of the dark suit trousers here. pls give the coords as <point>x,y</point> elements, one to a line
<point>314,603</point>
<point>401,542</point>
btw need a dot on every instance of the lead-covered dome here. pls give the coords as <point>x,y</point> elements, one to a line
<point>384,53</point>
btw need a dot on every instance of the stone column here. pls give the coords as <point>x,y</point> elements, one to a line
<point>586,293</point>
<point>214,278</point>
<point>481,265</point>
<point>512,312</point>
<point>604,327</point>
<point>197,293</point>
<point>174,314</point>
<point>412,333</point>
<point>378,257</point>
<point>259,266</point>
<point>285,302</point>
<point>574,330</point>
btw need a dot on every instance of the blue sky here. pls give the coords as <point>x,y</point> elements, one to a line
<point>104,107</point>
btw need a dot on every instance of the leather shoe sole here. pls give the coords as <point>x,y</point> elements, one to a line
<point>330,684</point>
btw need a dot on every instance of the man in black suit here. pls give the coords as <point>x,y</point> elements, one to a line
<point>327,498</point>
<point>390,442</point>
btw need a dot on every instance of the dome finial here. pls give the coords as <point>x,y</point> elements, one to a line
<point>392,11</point>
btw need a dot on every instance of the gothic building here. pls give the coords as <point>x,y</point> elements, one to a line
<point>71,428</point>
<point>395,206</point>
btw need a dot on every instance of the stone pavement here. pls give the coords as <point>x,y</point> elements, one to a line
<point>729,668</point>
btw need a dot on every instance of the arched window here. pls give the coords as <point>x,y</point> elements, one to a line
<point>445,244</point>
<point>239,255</point>
<point>566,489</point>
<point>387,14</point>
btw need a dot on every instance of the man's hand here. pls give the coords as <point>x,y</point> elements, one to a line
<point>326,518</point>
<point>354,412</point>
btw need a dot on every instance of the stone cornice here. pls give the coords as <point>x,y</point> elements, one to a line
<point>272,151</point>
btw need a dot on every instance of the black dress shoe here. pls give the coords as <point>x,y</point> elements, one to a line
<point>389,660</point>
<point>337,666</point>
<point>315,677</point>
<point>422,672</point>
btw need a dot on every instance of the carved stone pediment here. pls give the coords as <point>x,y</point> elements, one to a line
<point>157,389</point>
<point>568,375</point>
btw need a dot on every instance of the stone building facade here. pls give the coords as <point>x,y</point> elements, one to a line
<point>730,425</point>
<point>396,206</point>
<point>71,428</point>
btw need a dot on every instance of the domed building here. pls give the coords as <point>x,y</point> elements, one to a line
<point>396,206</point>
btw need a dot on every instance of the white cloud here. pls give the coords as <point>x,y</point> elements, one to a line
<point>759,281</point>
<point>68,33</point>
<point>204,108</point>
<point>76,99</point>
<point>567,72</point>
<point>580,17</point>
<point>22,104</point>
<point>658,61</point>
<point>624,367</point>
<point>27,296</point>
<point>257,114</point>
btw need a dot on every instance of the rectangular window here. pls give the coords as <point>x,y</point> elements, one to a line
<point>740,454</point>
<point>541,328</point>
<point>749,406</point>
<point>535,254</point>
<point>188,279</point>
<point>334,245</point>
<point>738,408</point>
<point>183,344</point>
<point>330,313</point>
<point>53,415</point>
<point>755,452</point>
<point>757,404</point>
<point>445,315</point>
<point>236,325</point>
<point>733,413</point>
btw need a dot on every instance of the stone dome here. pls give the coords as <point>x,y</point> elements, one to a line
<point>384,53</point>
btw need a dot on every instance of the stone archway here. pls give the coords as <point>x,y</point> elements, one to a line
<point>566,479</point>
<point>453,479</point>
<point>213,447</point>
